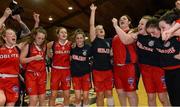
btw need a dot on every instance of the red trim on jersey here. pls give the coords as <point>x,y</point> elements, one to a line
<point>171,67</point>
<point>9,60</point>
<point>36,66</point>
<point>61,54</point>
<point>178,21</point>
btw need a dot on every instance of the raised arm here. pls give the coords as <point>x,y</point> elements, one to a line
<point>125,37</point>
<point>92,23</point>
<point>36,19</point>
<point>25,30</point>
<point>6,14</point>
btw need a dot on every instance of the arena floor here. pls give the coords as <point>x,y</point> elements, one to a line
<point>141,94</point>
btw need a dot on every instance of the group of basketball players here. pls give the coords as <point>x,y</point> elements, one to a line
<point>153,48</point>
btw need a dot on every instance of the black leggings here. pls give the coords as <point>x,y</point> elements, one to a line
<point>172,78</point>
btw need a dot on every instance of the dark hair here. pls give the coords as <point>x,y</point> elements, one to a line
<point>153,23</point>
<point>129,18</point>
<point>169,17</point>
<point>16,9</point>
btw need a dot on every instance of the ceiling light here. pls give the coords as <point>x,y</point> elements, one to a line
<point>50,18</point>
<point>70,8</point>
<point>86,38</point>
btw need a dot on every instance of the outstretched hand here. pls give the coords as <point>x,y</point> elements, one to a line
<point>93,7</point>
<point>115,22</point>
<point>36,17</point>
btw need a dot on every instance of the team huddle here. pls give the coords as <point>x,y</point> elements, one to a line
<point>152,50</point>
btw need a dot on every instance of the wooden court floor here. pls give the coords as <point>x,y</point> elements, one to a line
<point>141,95</point>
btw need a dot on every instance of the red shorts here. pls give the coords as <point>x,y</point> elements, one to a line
<point>10,86</point>
<point>82,83</point>
<point>125,77</point>
<point>103,80</point>
<point>35,82</point>
<point>60,79</point>
<point>153,78</point>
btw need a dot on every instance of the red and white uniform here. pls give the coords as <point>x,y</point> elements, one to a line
<point>124,69</point>
<point>60,75</point>
<point>35,76</point>
<point>9,66</point>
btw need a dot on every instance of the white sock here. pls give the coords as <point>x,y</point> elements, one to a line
<point>110,101</point>
<point>78,105</point>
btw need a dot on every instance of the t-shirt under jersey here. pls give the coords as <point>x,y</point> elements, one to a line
<point>101,54</point>
<point>80,64</point>
<point>146,51</point>
<point>167,51</point>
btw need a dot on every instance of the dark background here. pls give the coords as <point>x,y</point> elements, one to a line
<point>79,16</point>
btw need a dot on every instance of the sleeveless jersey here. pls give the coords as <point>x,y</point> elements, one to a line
<point>61,54</point>
<point>123,54</point>
<point>9,60</point>
<point>40,65</point>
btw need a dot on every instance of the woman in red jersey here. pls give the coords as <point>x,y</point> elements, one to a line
<point>9,68</point>
<point>9,64</point>
<point>60,74</point>
<point>125,58</point>
<point>33,54</point>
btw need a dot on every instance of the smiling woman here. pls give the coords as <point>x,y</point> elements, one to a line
<point>73,60</point>
<point>9,74</point>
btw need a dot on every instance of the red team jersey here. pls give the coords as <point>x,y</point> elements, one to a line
<point>60,77</point>
<point>61,55</point>
<point>9,60</point>
<point>36,72</point>
<point>9,64</point>
<point>120,52</point>
<point>124,75</point>
<point>36,65</point>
